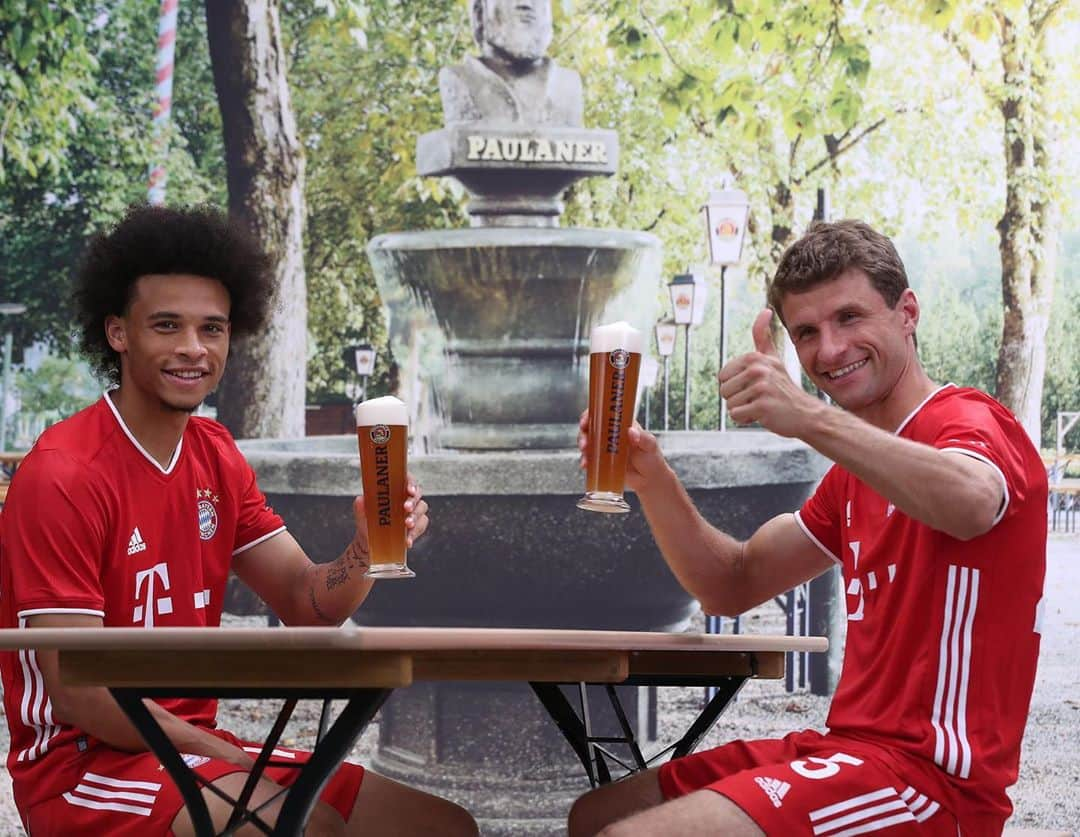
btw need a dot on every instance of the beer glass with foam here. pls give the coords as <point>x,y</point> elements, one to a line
<point>382,429</point>
<point>614,364</point>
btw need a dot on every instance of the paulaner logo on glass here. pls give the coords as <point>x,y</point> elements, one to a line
<point>619,359</point>
<point>380,435</point>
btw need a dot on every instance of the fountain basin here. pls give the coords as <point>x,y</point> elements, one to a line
<point>504,316</point>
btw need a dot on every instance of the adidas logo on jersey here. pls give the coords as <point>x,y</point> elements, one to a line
<point>774,789</point>
<point>136,543</point>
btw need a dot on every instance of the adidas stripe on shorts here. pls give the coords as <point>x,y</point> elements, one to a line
<point>130,794</point>
<point>805,785</point>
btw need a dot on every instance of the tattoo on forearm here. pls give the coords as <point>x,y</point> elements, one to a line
<point>337,574</point>
<point>318,610</point>
<point>353,558</point>
<point>359,555</point>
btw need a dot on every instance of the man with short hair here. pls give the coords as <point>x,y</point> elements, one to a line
<point>511,80</point>
<point>132,513</point>
<point>934,510</point>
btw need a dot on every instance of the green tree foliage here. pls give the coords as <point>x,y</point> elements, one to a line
<point>58,387</point>
<point>1008,48</point>
<point>786,96</point>
<point>874,101</point>
<point>773,92</point>
<point>364,84</point>
<point>961,310</point>
<point>46,215</point>
<point>46,78</point>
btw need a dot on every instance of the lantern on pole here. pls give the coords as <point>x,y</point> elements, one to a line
<point>646,381</point>
<point>361,359</point>
<point>726,213</point>
<point>682,288</point>
<point>665,346</point>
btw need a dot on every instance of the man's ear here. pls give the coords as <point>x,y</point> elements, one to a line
<point>909,307</point>
<point>116,333</point>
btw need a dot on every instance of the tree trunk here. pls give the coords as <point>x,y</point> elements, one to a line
<point>1027,231</point>
<point>262,394</point>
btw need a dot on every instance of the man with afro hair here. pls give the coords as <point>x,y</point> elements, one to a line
<point>132,513</point>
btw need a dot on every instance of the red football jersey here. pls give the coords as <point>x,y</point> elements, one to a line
<point>94,525</point>
<point>942,634</point>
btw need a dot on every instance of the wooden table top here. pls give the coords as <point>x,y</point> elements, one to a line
<point>313,658</point>
<point>357,638</point>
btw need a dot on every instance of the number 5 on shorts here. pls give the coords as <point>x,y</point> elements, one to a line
<point>823,768</point>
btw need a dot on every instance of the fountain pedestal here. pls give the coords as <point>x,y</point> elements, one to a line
<point>516,173</point>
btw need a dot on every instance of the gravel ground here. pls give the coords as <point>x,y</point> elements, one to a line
<point>1045,795</point>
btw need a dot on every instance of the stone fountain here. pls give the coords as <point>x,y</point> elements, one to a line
<point>510,302</point>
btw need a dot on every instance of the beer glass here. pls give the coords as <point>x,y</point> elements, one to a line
<point>614,364</point>
<point>382,429</point>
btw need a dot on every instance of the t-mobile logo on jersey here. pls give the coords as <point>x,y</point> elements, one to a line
<point>859,585</point>
<point>148,606</point>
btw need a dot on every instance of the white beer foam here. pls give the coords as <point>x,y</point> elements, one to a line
<point>385,410</point>
<point>620,335</point>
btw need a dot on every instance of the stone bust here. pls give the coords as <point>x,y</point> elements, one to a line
<point>512,80</point>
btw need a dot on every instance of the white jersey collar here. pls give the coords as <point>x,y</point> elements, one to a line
<point>924,402</point>
<point>135,442</point>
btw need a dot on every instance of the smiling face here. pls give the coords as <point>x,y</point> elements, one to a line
<point>851,344</point>
<point>172,340</point>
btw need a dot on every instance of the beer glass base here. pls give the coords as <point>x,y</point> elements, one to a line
<point>389,571</point>
<point>603,501</point>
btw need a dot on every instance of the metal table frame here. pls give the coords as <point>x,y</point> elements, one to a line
<point>333,745</point>
<point>591,750</point>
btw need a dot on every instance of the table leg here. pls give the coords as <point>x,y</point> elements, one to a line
<point>328,754</point>
<point>596,753</point>
<point>131,702</point>
<point>571,726</point>
<point>578,734</point>
<point>241,807</point>
<point>624,724</point>
<point>704,722</point>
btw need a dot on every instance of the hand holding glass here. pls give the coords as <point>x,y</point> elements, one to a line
<point>382,430</point>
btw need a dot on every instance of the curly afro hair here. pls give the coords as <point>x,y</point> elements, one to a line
<point>154,240</point>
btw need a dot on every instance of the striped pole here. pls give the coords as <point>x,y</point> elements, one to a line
<point>166,48</point>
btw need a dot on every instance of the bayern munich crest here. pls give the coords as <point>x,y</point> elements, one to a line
<point>620,358</point>
<point>380,434</point>
<point>208,517</point>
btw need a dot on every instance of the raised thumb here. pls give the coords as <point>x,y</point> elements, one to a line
<point>763,341</point>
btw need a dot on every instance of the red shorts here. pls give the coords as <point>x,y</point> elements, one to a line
<point>131,794</point>
<point>804,784</point>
